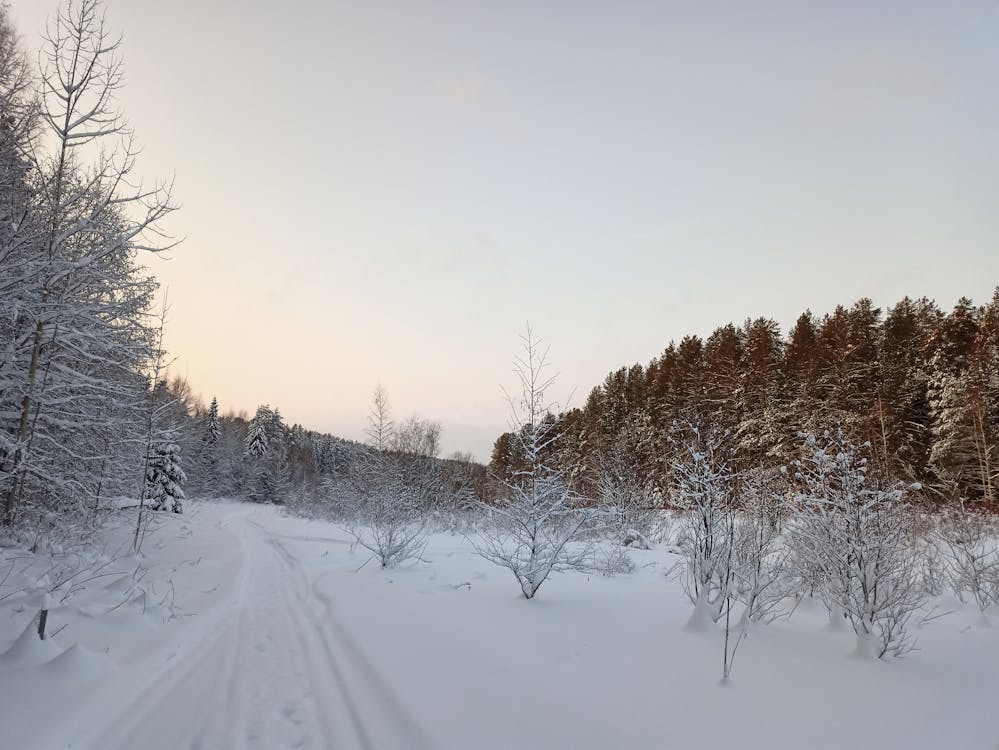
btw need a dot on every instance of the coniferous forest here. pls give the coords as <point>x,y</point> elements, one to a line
<point>919,386</point>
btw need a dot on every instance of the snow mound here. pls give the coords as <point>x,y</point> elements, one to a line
<point>29,650</point>
<point>79,663</point>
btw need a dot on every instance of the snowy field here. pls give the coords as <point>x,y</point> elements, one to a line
<point>241,627</point>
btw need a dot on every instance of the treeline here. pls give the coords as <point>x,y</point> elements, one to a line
<point>917,386</point>
<point>263,459</point>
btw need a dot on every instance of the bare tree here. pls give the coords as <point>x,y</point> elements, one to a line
<point>82,330</point>
<point>760,561</point>
<point>705,488</point>
<point>537,527</point>
<point>970,555</point>
<point>417,437</point>
<point>387,521</point>
<point>380,425</point>
<point>383,502</point>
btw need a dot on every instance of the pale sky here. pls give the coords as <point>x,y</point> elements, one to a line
<point>386,191</point>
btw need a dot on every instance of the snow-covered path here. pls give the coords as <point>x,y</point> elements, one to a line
<point>252,629</point>
<point>278,671</point>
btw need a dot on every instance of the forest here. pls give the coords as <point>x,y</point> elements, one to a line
<point>917,386</point>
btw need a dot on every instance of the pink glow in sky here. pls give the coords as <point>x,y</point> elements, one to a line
<point>386,191</point>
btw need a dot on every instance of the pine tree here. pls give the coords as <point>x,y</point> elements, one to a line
<point>759,433</point>
<point>723,353</point>
<point>953,454</point>
<point>902,441</point>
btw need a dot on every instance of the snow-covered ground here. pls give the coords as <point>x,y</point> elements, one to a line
<point>241,627</point>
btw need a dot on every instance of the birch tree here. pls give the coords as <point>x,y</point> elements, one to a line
<point>82,324</point>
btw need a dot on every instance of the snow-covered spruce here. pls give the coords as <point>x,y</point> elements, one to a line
<point>257,443</point>
<point>213,428</point>
<point>165,479</point>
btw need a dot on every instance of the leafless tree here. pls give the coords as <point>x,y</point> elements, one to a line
<point>537,528</point>
<point>384,498</point>
<point>969,544</point>
<point>380,425</point>
<point>705,488</point>
<point>387,519</point>
<point>760,558</point>
<point>81,329</point>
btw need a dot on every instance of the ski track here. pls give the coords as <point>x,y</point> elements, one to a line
<point>378,717</point>
<point>278,672</point>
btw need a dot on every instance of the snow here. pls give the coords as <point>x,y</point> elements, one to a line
<point>242,627</point>
<point>29,650</point>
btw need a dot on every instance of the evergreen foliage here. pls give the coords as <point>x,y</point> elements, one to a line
<point>919,387</point>
<point>166,479</point>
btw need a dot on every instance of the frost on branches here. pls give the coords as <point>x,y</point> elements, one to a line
<point>391,486</point>
<point>257,441</point>
<point>967,539</point>
<point>705,490</point>
<point>74,297</point>
<point>850,539</point>
<point>165,479</point>
<point>388,520</point>
<point>537,527</point>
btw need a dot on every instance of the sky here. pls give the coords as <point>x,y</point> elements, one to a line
<point>386,192</point>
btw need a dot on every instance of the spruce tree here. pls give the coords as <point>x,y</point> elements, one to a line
<point>213,428</point>
<point>256,437</point>
<point>166,479</point>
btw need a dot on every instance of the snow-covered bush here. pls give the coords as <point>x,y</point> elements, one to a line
<point>970,555</point>
<point>850,540</point>
<point>705,490</point>
<point>382,512</point>
<point>760,558</point>
<point>610,561</point>
<point>538,527</point>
